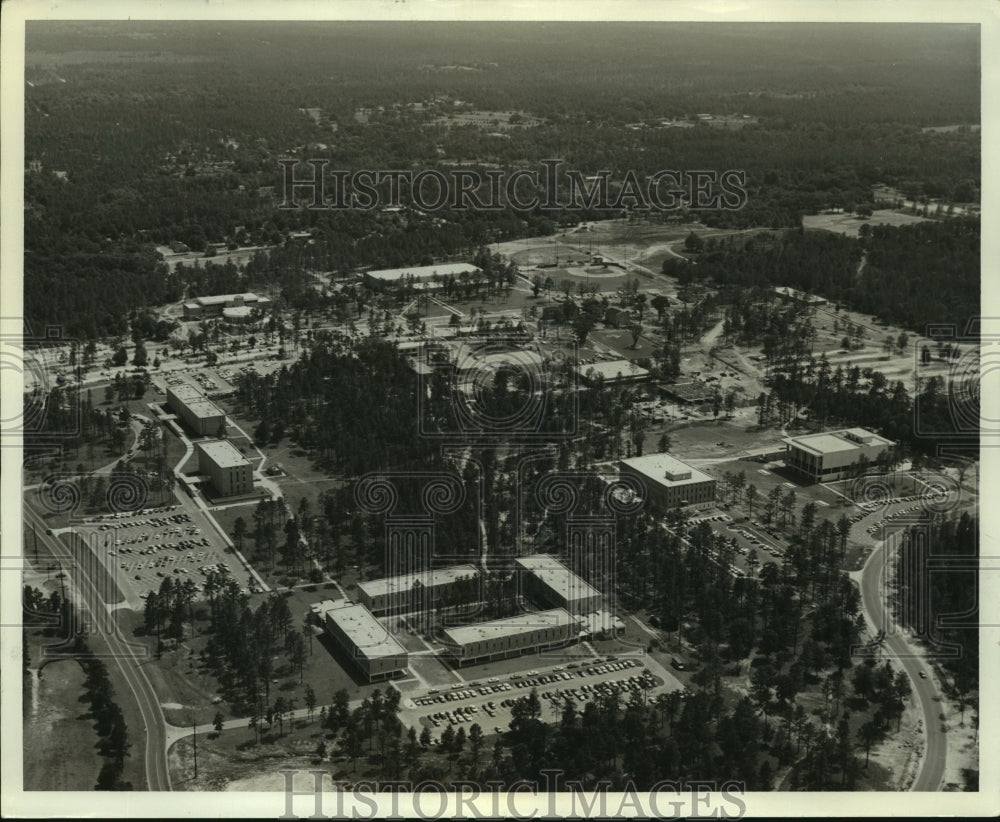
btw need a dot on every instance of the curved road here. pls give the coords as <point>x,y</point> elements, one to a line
<point>90,601</point>
<point>896,647</point>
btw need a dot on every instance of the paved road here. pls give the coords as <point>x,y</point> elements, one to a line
<point>89,599</point>
<point>896,647</point>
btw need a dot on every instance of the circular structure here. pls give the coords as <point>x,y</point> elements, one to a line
<point>237,314</point>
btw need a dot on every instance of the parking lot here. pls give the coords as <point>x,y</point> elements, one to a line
<point>489,701</point>
<point>143,548</point>
<point>900,512</point>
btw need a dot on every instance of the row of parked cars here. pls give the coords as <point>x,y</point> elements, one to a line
<point>635,682</point>
<point>890,517</point>
<point>433,696</point>
<point>464,713</point>
<point>152,522</point>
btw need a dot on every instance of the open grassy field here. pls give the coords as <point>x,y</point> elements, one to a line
<point>56,721</point>
<point>850,225</point>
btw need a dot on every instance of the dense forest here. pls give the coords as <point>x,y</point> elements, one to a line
<point>937,577</point>
<point>889,271</point>
<point>129,145</point>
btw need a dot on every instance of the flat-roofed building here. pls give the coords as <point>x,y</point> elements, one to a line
<point>669,482</point>
<point>515,635</point>
<point>833,455</point>
<point>230,472</point>
<point>613,372</point>
<point>412,592</point>
<point>198,412</point>
<point>550,584</point>
<point>375,652</point>
<point>215,306</point>
<point>689,393</point>
<point>423,277</point>
<point>796,296</point>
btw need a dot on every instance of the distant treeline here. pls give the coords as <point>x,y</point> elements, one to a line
<point>176,137</point>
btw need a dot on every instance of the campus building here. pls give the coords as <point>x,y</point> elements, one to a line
<point>375,652</point>
<point>550,584</point>
<point>795,296</point>
<point>424,277</point>
<point>230,473</point>
<point>199,413</point>
<point>612,373</point>
<point>235,307</point>
<point>832,455</point>
<point>516,635</point>
<point>412,592</point>
<point>670,483</point>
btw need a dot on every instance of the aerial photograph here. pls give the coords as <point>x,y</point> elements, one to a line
<point>591,406</point>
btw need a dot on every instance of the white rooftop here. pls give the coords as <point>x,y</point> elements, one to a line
<point>370,637</point>
<point>611,370</point>
<point>223,299</point>
<point>423,272</point>
<point>520,624</point>
<point>557,576</point>
<point>832,442</point>
<point>666,470</point>
<point>223,453</point>
<point>430,578</point>
<point>196,401</point>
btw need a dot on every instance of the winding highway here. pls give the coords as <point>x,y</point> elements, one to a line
<point>931,770</point>
<point>90,601</point>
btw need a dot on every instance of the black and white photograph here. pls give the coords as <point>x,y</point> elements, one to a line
<point>565,413</point>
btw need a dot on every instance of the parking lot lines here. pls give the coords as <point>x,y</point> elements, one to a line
<point>147,546</point>
<point>468,703</point>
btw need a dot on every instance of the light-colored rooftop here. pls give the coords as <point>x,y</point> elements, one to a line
<point>833,442</point>
<point>611,370</point>
<point>549,570</point>
<point>423,272</point>
<point>225,299</point>
<point>223,453</point>
<point>430,578</point>
<point>195,401</point>
<point>185,391</point>
<point>664,469</point>
<point>369,637</point>
<point>520,624</point>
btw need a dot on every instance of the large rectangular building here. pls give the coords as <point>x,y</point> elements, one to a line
<point>833,455</point>
<point>614,372</point>
<point>230,472</point>
<point>216,306</point>
<point>516,635</point>
<point>424,277</point>
<point>375,652</point>
<point>198,412</point>
<point>550,584</point>
<point>669,482</point>
<point>412,592</point>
